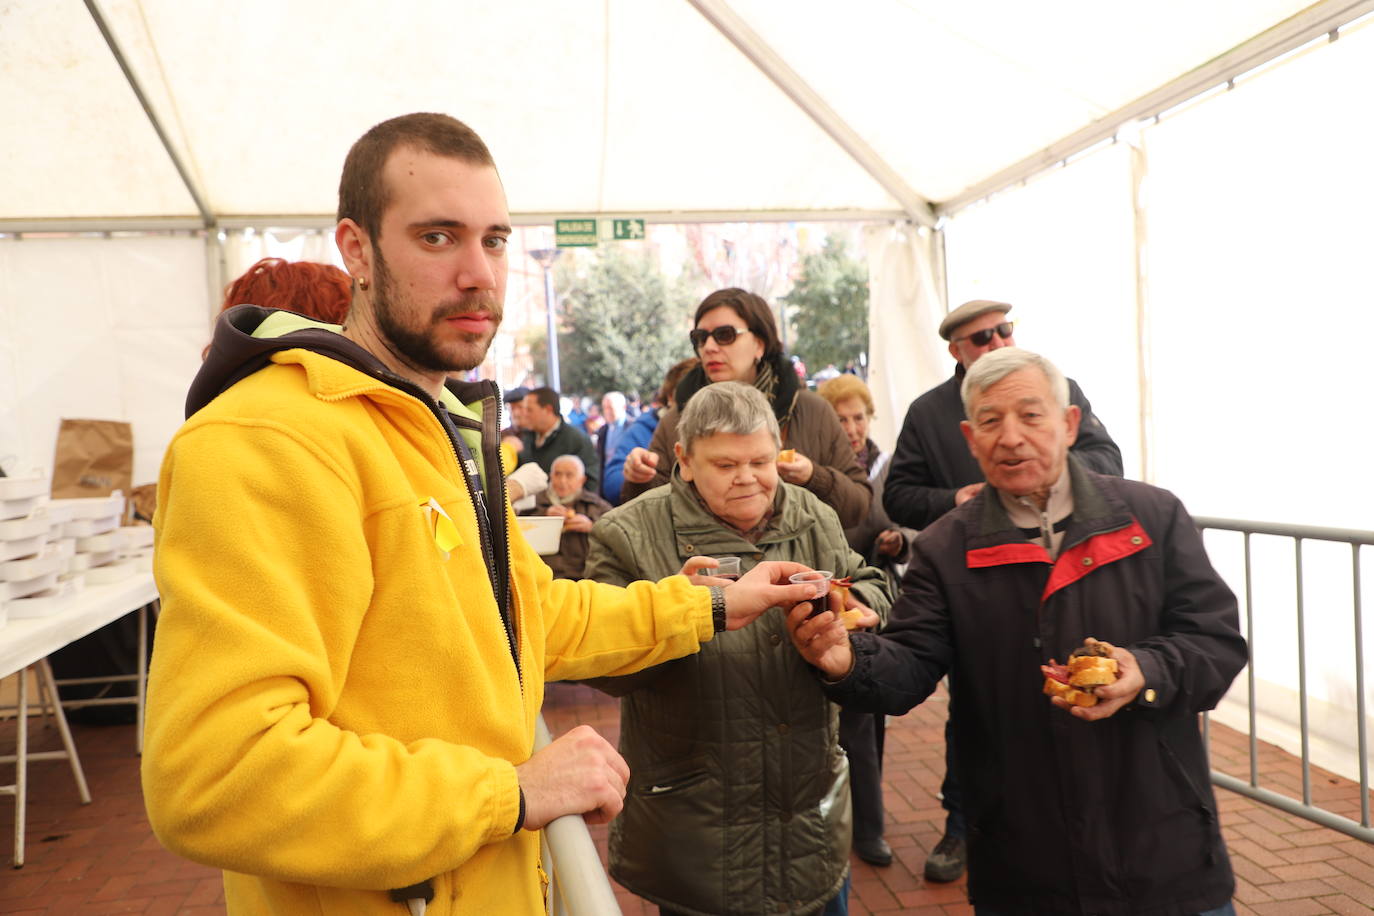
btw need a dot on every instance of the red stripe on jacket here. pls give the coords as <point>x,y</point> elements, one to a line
<point>1094,553</point>
<point>1074,563</point>
<point>1006,554</point>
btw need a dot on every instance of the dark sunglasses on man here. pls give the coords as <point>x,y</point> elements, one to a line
<point>724,335</point>
<point>984,337</point>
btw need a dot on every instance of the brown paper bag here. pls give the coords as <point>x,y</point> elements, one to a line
<point>142,504</point>
<point>92,458</point>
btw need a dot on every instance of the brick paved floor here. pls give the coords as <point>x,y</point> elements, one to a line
<point>103,859</point>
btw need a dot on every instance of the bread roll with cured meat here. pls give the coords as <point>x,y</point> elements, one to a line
<point>1057,688</point>
<point>835,602</point>
<point>1090,665</point>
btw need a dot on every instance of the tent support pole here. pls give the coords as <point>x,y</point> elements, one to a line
<point>214,270</point>
<point>207,217</point>
<point>1139,170</point>
<point>942,265</point>
<point>738,32</point>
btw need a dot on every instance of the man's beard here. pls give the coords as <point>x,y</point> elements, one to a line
<point>418,346</point>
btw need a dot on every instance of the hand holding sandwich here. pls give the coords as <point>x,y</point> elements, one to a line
<point>1103,699</point>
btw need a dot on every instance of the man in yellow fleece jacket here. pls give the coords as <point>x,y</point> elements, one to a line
<point>354,636</point>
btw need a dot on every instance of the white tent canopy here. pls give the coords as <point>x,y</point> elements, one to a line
<point>686,107</point>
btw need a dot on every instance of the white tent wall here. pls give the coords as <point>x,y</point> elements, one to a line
<point>1261,284</point>
<point>105,328</point>
<point>245,247</point>
<point>906,303</point>
<point>1256,284</point>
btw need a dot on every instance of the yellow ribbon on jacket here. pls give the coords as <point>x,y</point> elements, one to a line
<point>446,535</point>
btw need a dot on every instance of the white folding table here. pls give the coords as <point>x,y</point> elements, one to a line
<point>27,643</point>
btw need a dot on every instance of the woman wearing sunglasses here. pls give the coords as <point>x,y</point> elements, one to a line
<point>734,335</point>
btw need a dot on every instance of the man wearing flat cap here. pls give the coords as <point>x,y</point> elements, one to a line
<point>932,471</point>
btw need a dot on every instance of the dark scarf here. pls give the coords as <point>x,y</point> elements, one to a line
<point>775,378</point>
<point>868,456</point>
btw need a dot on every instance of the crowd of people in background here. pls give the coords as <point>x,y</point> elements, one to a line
<point>381,650</point>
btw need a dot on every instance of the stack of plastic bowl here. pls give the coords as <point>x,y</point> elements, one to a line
<point>52,548</point>
<point>28,566</point>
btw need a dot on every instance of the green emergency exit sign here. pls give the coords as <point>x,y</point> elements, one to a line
<point>574,233</point>
<point>627,228</point>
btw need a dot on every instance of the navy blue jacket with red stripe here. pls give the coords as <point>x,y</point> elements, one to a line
<point>1115,816</point>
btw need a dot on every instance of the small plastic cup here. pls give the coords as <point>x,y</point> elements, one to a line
<point>728,568</point>
<point>818,577</point>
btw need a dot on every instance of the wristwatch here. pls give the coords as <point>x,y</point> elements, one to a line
<point>718,608</point>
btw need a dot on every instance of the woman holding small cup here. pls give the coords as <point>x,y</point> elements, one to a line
<point>738,800</point>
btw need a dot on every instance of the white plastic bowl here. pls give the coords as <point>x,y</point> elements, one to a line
<point>542,531</point>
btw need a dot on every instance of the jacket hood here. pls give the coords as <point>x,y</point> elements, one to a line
<point>245,338</point>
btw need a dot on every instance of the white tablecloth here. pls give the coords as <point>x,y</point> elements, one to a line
<point>23,642</point>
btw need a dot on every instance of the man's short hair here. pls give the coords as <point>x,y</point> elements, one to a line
<point>573,460</point>
<point>726,407</point>
<point>992,367</point>
<point>363,194</point>
<point>546,397</point>
<point>754,311</point>
<point>617,398</point>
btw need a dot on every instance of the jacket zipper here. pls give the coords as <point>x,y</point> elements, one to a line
<point>492,462</point>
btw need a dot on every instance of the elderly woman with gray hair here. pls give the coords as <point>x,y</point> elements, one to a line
<point>738,800</point>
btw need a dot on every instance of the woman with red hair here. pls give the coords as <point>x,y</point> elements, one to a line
<point>319,291</point>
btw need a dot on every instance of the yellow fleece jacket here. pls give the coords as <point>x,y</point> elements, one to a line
<point>333,707</point>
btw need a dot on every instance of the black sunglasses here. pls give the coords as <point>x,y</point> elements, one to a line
<point>724,335</point>
<point>984,337</point>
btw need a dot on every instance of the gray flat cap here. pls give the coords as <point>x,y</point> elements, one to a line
<point>969,311</point>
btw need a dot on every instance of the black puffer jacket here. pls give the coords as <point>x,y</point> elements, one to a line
<point>1115,816</point>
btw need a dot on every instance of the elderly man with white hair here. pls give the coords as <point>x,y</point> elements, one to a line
<point>568,497</point>
<point>1104,806</point>
<point>613,410</point>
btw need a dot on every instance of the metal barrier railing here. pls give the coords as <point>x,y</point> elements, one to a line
<point>578,885</point>
<point>1252,789</point>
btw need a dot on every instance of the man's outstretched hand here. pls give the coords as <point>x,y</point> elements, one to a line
<point>822,640</point>
<point>763,587</point>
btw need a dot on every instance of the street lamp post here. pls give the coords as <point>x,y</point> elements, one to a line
<point>545,258</point>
